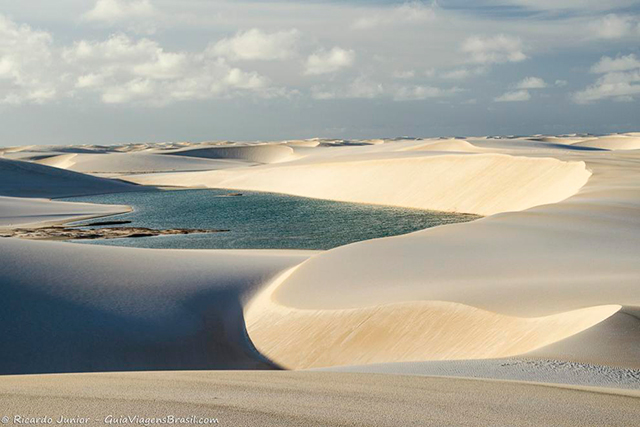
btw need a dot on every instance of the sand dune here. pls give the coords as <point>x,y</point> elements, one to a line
<point>613,142</point>
<point>20,211</point>
<point>23,179</point>
<point>63,161</point>
<point>549,260</point>
<point>131,163</point>
<point>315,399</point>
<point>79,308</point>
<point>483,184</point>
<point>259,153</point>
<point>455,145</point>
<point>542,277</point>
<point>401,332</point>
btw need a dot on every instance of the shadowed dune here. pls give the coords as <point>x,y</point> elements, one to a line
<point>82,308</point>
<point>24,179</point>
<point>258,153</point>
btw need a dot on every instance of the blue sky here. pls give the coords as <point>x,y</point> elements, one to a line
<point>113,71</point>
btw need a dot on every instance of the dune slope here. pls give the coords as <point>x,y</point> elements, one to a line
<point>315,399</point>
<point>80,308</point>
<point>23,179</point>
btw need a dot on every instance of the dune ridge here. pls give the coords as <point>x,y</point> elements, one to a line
<point>402,332</point>
<point>258,153</point>
<point>543,275</point>
<point>24,179</point>
<point>482,184</point>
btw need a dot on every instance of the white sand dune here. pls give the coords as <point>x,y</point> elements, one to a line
<point>24,179</point>
<point>557,257</point>
<point>21,211</point>
<point>131,163</point>
<point>63,161</point>
<point>257,153</point>
<point>613,142</point>
<point>75,308</point>
<point>455,145</point>
<point>483,184</point>
<point>544,275</point>
<point>402,332</point>
<point>523,368</point>
<point>315,399</point>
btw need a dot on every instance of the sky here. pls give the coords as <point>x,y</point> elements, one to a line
<point>119,71</point>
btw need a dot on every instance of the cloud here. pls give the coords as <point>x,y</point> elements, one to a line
<point>620,63</point>
<point>407,13</point>
<point>365,88</point>
<point>620,80</point>
<point>494,50</point>
<point>615,26</point>
<point>515,96</point>
<point>417,93</point>
<point>463,73</point>
<point>457,74</point>
<point>26,64</point>
<point>137,15</point>
<point>361,87</point>
<point>121,70</point>
<point>408,74</point>
<point>255,44</point>
<point>580,5</point>
<point>561,83</point>
<point>323,62</point>
<point>531,83</point>
<point>116,10</point>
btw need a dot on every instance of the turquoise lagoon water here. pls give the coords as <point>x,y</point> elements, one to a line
<point>259,220</point>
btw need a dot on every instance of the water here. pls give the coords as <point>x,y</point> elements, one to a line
<point>260,220</point>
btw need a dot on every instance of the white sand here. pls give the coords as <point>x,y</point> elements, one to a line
<point>570,243</point>
<point>24,179</point>
<point>316,399</point>
<point>552,273</point>
<point>71,307</point>
<point>20,211</point>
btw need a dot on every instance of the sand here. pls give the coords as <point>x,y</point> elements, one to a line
<point>563,226</point>
<point>543,289</point>
<point>76,308</point>
<point>315,399</point>
<point>20,211</point>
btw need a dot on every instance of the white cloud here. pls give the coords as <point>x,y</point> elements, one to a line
<point>580,5</point>
<point>416,93</point>
<point>561,83</point>
<point>620,63</point>
<point>121,70</point>
<point>494,50</point>
<point>115,10</point>
<point>137,15</point>
<point>361,87</point>
<point>620,80</point>
<point>255,44</point>
<point>323,62</point>
<point>515,96</point>
<point>457,74</point>
<point>616,27</point>
<point>463,73</point>
<point>364,87</point>
<point>407,13</point>
<point>531,83</point>
<point>408,74</point>
<point>616,85</point>
<point>26,61</point>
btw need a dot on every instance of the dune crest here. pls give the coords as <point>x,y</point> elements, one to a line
<point>258,153</point>
<point>24,179</point>
<point>401,332</point>
<point>482,184</point>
